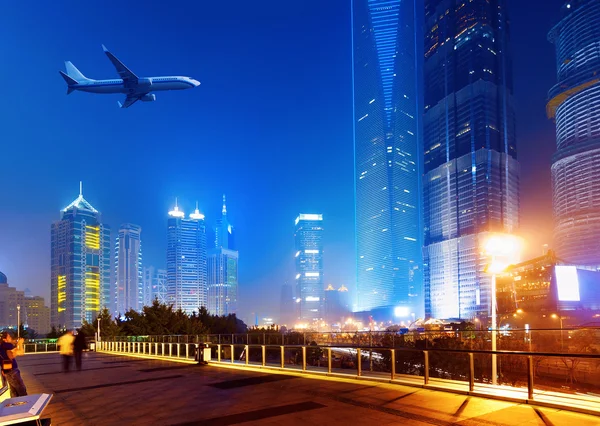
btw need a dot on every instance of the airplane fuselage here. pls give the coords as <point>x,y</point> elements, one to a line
<point>144,85</point>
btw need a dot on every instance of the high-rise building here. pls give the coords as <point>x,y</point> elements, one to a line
<point>387,154</point>
<point>128,268</point>
<point>309,267</point>
<point>223,269</point>
<point>224,230</point>
<point>10,298</point>
<point>471,173</point>
<point>186,260</point>
<point>38,314</point>
<point>575,107</point>
<point>80,265</point>
<point>154,286</point>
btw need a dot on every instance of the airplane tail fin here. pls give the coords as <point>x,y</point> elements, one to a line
<point>74,73</point>
<point>70,81</point>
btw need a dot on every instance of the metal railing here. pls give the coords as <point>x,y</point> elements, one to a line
<point>527,375</point>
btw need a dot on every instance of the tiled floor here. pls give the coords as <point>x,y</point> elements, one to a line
<point>119,390</point>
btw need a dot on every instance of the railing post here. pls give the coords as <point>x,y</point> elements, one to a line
<point>219,352</point>
<point>282,357</point>
<point>471,373</point>
<point>303,358</point>
<point>170,349</point>
<point>232,351</point>
<point>393,359</point>
<point>426,372</point>
<point>246,349</point>
<point>329,360</point>
<point>530,377</point>
<point>46,347</point>
<point>187,351</point>
<point>358,362</point>
<point>156,348</point>
<point>264,355</point>
<point>179,350</point>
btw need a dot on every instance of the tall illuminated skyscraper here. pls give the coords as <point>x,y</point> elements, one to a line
<point>128,268</point>
<point>386,145</point>
<point>575,107</point>
<point>186,260</point>
<point>310,290</point>
<point>471,173</point>
<point>223,269</point>
<point>154,285</point>
<point>80,265</point>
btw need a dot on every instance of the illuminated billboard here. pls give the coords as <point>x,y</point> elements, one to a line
<point>567,283</point>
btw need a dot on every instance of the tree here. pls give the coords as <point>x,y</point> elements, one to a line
<point>54,334</point>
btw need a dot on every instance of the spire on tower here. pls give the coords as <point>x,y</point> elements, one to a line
<point>80,188</point>
<point>224,206</point>
<point>197,215</point>
<point>176,212</point>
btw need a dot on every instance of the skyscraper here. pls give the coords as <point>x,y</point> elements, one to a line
<point>128,268</point>
<point>186,260</point>
<point>471,173</point>
<point>224,230</point>
<point>223,269</point>
<point>386,145</point>
<point>154,285</point>
<point>10,298</point>
<point>80,265</point>
<point>309,266</point>
<point>575,107</point>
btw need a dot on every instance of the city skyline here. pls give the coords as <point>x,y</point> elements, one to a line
<point>320,95</point>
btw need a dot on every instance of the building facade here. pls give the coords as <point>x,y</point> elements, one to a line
<point>80,266</point>
<point>575,107</point>
<point>186,260</point>
<point>128,269</point>
<point>471,173</point>
<point>38,314</point>
<point>387,155</point>
<point>310,290</point>
<point>222,269</point>
<point>10,298</point>
<point>154,286</point>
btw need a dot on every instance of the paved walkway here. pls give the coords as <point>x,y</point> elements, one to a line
<point>120,390</point>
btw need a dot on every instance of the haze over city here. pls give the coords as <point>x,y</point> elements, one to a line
<point>270,127</point>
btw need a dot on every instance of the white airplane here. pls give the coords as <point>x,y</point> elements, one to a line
<point>136,88</point>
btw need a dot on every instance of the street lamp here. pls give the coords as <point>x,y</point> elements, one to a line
<point>18,322</point>
<point>98,339</point>
<point>504,250</point>
<point>560,318</point>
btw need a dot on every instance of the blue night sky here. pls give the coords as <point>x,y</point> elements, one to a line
<point>270,126</point>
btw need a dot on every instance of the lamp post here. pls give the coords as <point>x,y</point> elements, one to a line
<point>98,339</point>
<point>503,249</point>
<point>560,318</point>
<point>18,322</point>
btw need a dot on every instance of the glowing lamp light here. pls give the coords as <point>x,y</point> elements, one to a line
<point>400,311</point>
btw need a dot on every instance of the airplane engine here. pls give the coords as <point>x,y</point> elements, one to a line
<point>145,82</point>
<point>148,98</point>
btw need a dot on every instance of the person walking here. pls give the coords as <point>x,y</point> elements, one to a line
<point>9,349</point>
<point>65,342</point>
<point>79,345</point>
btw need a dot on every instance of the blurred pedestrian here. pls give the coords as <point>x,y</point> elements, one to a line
<point>65,342</point>
<point>9,350</point>
<point>79,345</point>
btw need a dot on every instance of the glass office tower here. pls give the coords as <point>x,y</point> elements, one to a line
<point>186,260</point>
<point>154,285</point>
<point>223,269</point>
<point>575,107</point>
<point>385,49</point>
<point>471,173</point>
<point>310,290</point>
<point>80,266</point>
<point>128,268</point>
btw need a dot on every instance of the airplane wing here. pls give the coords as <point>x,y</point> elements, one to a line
<point>129,78</point>
<point>130,100</point>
